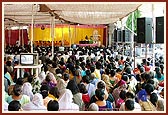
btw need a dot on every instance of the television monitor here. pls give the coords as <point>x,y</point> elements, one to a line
<point>61,49</point>
<point>27,59</point>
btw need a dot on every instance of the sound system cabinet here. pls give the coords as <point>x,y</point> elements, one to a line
<point>117,35</point>
<point>135,38</point>
<point>144,30</point>
<point>122,35</point>
<point>126,36</point>
<point>160,29</point>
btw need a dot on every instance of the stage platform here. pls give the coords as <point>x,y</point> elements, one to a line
<point>84,45</point>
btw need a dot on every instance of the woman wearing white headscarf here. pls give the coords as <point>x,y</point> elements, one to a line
<point>77,96</point>
<point>65,101</point>
<point>42,76</point>
<point>27,90</point>
<point>61,84</point>
<point>36,104</point>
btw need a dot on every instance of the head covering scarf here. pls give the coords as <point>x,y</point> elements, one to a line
<point>53,79</point>
<point>38,100</point>
<point>106,79</point>
<point>121,86</point>
<point>42,76</point>
<point>93,107</point>
<point>61,84</point>
<point>122,83</point>
<point>27,90</point>
<point>142,95</point>
<point>65,101</point>
<point>36,104</point>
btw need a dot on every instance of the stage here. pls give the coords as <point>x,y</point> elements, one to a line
<point>84,45</point>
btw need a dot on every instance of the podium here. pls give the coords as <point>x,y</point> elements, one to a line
<point>83,42</point>
<point>37,67</point>
<point>87,43</point>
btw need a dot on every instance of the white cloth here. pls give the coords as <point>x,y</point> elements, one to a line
<point>61,84</point>
<point>93,107</point>
<point>5,106</point>
<point>27,90</point>
<point>77,99</point>
<point>42,76</point>
<point>66,58</point>
<point>90,88</point>
<point>65,101</point>
<point>36,104</point>
<point>133,83</point>
<point>161,104</point>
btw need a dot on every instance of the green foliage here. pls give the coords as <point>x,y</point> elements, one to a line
<point>137,14</point>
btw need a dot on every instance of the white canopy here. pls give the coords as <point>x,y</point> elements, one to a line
<point>82,12</point>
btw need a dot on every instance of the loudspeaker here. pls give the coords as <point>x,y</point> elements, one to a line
<point>126,36</point>
<point>160,29</point>
<point>119,39</point>
<point>144,30</point>
<point>135,38</point>
<point>117,35</point>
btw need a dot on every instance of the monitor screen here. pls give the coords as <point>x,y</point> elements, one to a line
<point>61,48</point>
<point>27,59</point>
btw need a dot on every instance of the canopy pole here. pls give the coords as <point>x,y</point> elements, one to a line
<point>32,34</point>
<point>110,32</point>
<point>62,41</point>
<point>22,38</point>
<point>107,38</point>
<point>154,37</point>
<point>75,35</point>
<point>9,34</point>
<point>52,35</point>
<point>132,37</point>
<point>19,36</point>
<point>70,35</point>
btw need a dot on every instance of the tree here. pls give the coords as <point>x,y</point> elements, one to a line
<point>137,14</point>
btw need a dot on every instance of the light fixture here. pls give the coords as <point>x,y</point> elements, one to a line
<point>42,27</point>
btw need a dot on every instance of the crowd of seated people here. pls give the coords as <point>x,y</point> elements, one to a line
<point>49,43</point>
<point>15,49</point>
<point>85,79</point>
